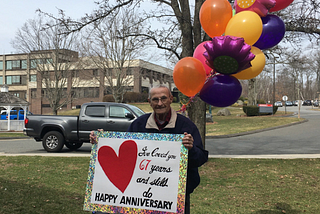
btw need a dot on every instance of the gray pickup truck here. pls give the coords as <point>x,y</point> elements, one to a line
<point>72,131</point>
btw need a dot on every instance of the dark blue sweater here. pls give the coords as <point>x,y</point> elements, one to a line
<point>196,156</point>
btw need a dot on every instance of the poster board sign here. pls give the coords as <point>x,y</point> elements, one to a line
<point>137,173</point>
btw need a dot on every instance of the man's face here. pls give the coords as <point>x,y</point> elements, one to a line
<point>160,101</point>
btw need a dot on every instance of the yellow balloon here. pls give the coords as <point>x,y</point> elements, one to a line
<point>246,24</point>
<point>257,63</point>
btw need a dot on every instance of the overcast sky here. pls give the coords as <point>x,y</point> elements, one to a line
<point>15,13</point>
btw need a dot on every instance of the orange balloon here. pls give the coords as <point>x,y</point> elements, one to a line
<point>246,24</point>
<point>189,76</point>
<point>214,16</point>
<point>257,63</point>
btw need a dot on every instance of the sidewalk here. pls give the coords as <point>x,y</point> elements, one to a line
<point>286,156</point>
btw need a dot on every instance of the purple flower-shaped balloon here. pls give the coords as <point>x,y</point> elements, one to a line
<point>228,54</point>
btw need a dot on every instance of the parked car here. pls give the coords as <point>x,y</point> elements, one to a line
<point>14,115</point>
<point>316,103</point>
<point>55,131</point>
<point>278,103</point>
<point>288,103</point>
<point>307,103</point>
<point>296,102</point>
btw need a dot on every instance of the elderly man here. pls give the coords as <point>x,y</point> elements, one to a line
<point>165,120</point>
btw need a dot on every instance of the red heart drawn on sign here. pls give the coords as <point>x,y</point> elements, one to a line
<point>119,169</point>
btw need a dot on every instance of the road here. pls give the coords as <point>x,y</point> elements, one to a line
<point>299,140</point>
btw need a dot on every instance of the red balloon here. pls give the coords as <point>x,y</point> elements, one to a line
<point>189,76</point>
<point>280,4</point>
<point>198,54</point>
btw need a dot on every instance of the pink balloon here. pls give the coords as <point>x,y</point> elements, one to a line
<point>198,54</point>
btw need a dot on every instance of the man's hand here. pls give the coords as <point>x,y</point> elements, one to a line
<point>93,137</point>
<point>187,141</point>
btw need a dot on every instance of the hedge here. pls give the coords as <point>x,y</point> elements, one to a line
<point>254,110</point>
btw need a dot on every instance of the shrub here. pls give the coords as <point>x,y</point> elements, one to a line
<point>129,97</point>
<point>175,100</point>
<point>261,102</point>
<point>108,98</point>
<point>242,98</point>
<point>254,110</point>
<point>134,97</point>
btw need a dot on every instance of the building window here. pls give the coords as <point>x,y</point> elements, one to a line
<point>24,64</point>
<point>1,65</point>
<point>10,80</point>
<point>33,93</point>
<point>33,78</point>
<point>35,62</point>
<point>8,65</point>
<point>129,71</point>
<point>20,94</point>
<point>91,92</point>
<point>75,74</point>
<point>95,73</point>
<point>16,80</point>
<point>1,80</point>
<point>85,92</point>
<point>16,64</point>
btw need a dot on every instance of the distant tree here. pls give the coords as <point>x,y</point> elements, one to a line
<point>315,67</point>
<point>109,49</point>
<point>50,58</point>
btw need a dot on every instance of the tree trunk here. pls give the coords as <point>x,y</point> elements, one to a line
<point>251,95</point>
<point>197,108</point>
<point>197,113</point>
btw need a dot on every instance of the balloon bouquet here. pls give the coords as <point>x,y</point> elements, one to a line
<point>234,53</point>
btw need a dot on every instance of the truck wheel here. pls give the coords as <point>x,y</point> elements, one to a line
<point>73,145</point>
<point>53,141</point>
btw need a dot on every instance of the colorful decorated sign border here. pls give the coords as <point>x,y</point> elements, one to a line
<point>88,206</point>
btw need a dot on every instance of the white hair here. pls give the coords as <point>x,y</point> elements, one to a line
<point>159,86</point>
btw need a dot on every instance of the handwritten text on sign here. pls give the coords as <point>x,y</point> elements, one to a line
<point>135,173</point>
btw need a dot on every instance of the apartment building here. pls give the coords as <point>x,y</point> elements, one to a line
<point>20,72</point>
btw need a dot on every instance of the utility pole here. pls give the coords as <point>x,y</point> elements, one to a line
<point>274,80</point>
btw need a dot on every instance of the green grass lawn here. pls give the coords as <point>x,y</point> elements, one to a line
<point>32,185</point>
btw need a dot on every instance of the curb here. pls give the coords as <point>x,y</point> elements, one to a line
<point>213,137</point>
<point>256,131</point>
<point>48,154</point>
<point>8,138</point>
<point>284,156</point>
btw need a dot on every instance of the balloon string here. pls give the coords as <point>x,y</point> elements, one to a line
<point>184,106</point>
